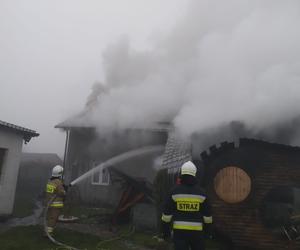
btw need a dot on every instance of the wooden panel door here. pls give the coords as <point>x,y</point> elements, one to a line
<point>232,184</point>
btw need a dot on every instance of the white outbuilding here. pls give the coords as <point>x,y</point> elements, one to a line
<point>11,142</point>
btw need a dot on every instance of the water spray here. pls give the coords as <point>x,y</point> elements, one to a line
<point>110,162</point>
<point>117,159</point>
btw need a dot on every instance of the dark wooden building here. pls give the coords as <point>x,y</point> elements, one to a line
<point>253,186</point>
<point>254,191</point>
<point>86,148</point>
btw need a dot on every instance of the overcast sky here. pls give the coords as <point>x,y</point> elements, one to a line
<point>51,54</point>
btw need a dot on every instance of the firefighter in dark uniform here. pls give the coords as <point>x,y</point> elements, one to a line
<point>188,211</point>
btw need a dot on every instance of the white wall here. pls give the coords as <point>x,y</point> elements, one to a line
<point>9,174</point>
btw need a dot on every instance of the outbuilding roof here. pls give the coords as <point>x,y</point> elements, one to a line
<point>27,133</point>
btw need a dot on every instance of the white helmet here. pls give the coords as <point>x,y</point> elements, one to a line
<point>57,171</point>
<point>188,168</point>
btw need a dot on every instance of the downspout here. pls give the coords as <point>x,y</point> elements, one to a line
<point>66,148</point>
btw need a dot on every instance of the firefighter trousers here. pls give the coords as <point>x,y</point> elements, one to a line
<point>52,216</point>
<point>188,240</point>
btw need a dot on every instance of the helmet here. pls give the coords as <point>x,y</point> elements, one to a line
<point>57,171</point>
<point>188,168</point>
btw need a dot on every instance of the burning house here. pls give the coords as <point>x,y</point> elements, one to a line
<point>253,185</point>
<point>119,186</point>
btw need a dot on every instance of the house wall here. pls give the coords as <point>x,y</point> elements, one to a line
<point>269,166</point>
<point>144,217</point>
<point>86,148</point>
<point>9,174</point>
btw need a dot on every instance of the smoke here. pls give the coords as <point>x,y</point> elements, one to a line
<point>224,61</point>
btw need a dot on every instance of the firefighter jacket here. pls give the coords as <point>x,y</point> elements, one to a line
<point>188,207</point>
<point>56,188</point>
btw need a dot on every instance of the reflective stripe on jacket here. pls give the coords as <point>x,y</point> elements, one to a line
<point>187,225</point>
<point>188,207</point>
<point>55,187</point>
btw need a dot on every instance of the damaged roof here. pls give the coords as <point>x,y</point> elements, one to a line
<point>177,152</point>
<point>76,121</point>
<point>27,133</point>
<point>81,121</point>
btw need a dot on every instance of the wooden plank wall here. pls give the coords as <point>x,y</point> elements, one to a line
<point>268,165</point>
<point>232,184</point>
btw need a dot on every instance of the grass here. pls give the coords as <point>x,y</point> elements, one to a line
<point>31,237</point>
<point>90,215</point>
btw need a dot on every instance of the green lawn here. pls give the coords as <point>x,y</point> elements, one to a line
<point>31,238</point>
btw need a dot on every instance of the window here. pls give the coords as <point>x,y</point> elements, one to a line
<point>101,177</point>
<point>2,159</point>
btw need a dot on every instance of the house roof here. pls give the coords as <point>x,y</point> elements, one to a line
<point>41,158</point>
<point>80,121</point>
<point>266,144</point>
<point>76,121</point>
<point>27,133</point>
<point>176,153</point>
<point>214,151</point>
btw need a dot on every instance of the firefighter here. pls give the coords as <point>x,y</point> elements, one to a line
<point>55,187</point>
<point>188,209</point>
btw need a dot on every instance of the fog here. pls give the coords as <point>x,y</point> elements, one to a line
<point>51,55</point>
<point>201,64</point>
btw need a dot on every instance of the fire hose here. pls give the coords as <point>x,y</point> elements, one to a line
<point>65,246</point>
<point>50,237</point>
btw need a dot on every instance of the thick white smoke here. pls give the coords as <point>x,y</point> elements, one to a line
<point>234,60</point>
